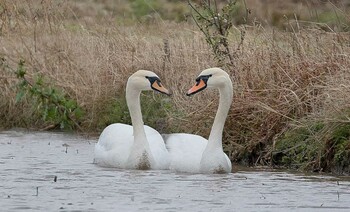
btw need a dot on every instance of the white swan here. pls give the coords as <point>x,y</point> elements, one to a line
<point>137,146</point>
<point>193,153</point>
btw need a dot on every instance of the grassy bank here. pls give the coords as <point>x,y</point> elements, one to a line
<point>291,102</point>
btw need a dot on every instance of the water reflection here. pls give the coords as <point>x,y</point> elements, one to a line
<point>54,171</point>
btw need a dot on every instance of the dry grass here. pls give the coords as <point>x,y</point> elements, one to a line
<point>92,61</point>
<point>282,77</point>
<point>327,14</point>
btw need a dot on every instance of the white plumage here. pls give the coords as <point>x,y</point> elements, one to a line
<point>115,143</point>
<point>137,146</point>
<point>193,153</point>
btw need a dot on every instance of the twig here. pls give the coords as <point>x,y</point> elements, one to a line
<point>193,7</point>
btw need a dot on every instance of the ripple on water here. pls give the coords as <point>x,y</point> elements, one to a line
<point>30,162</point>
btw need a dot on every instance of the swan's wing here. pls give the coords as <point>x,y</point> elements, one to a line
<point>115,142</point>
<point>113,146</point>
<point>165,137</point>
<point>149,130</point>
<point>115,135</point>
<point>158,149</point>
<point>228,162</point>
<point>185,151</point>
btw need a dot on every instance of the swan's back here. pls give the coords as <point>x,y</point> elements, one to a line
<point>115,143</point>
<point>185,151</point>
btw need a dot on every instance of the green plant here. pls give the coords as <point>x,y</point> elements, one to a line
<point>333,18</point>
<point>316,145</point>
<point>142,8</point>
<point>115,111</point>
<point>52,103</point>
<point>299,147</point>
<point>341,143</point>
<point>342,155</point>
<point>154,108</point>
<point>216,24</point>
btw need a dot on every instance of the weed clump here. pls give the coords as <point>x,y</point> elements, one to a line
<point>155,111</point>
<point>314,146</point>
<point>52,104</point>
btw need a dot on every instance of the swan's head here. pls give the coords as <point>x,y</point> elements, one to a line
<point>146,80</point>
<point>211,78</point>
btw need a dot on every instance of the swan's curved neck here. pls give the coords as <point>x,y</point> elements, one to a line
<point>215,137</point>
<point>133,102</point>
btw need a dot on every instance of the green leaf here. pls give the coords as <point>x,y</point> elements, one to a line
<point>20,72</point>
<point>70,104</point>
<point>45,113</point>
<point>19,96</point>
<point>39,80</point>
<point>78,113</point>
<point>51,103</point>
<point>52,113</point>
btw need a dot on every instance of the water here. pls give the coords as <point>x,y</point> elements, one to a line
<point>30,162</point>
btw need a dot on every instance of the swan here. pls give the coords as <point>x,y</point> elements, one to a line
<point>138,146</point>
<point>193,153</point>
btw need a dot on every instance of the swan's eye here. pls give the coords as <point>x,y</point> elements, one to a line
<point>153,79</point>
<point>198,81</point>
<point>204,78</point>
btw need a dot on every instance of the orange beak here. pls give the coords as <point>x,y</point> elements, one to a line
<point>199,86</point>
<point>156,85</point>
